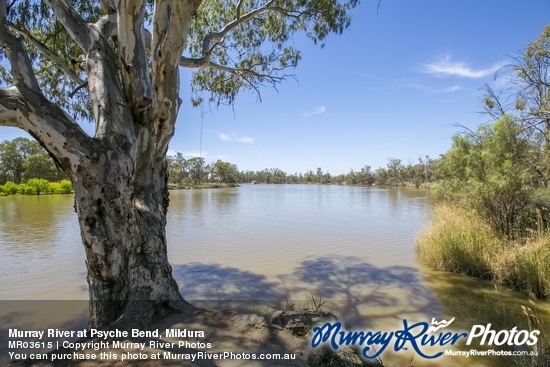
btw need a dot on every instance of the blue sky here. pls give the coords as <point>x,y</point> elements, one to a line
<point>391,86</point>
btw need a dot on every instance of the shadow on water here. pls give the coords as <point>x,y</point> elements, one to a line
<point>356,291</point>
<point>362,291</point>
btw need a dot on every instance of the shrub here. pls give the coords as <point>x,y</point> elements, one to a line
<point>40,185</point>
<point>62,187</point>
<point>10,188</point>
<point>24,189</point>
<point>491,171</point>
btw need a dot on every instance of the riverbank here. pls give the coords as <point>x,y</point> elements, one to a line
<point>460,241</point>
<point>209,338</point>
<point>207,185</point>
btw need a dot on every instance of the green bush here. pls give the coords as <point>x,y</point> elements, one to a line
<point>62,187</point>
<point>9,188</point>
<point>66,187</point>
<point>491,172</point>
<point>40,185</point>
<point>35,186</point>
<point>24,189</point>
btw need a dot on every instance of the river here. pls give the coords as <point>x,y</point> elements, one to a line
<point>285,246</point>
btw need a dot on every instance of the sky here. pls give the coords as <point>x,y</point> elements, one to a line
<point>394,85</point>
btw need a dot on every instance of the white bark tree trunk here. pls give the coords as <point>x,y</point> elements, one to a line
<point>123,231</point>
<point>119,176</point>
<point>132,78</point>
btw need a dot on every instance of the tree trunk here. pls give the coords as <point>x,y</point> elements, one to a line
<point>123,231</point>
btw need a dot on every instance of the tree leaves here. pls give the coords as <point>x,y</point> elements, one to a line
<point>257,52</point>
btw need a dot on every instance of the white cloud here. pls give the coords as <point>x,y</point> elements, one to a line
<point>432,90</point>
<point>235,138</point>
<point>454,88</point>
<point>316,111</point>
<point>447,67</point>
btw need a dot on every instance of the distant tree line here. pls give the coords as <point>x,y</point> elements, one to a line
<point>22,159</point>
<point>194,171</point>
<point>395,173</point>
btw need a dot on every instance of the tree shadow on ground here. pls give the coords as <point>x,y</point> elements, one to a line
<point>214,286</point>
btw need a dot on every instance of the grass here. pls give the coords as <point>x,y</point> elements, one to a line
<point>314,303</point>
<point>461,242</point>
<point>542,347</point>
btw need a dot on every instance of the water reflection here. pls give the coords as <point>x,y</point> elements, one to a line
<point>367,297</point>
<point>31,225</point>
<point>39,235</point>
<point>473,301</point>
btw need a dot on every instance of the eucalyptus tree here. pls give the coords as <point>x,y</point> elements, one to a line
<point>117,64</point>
<point>224,172</point>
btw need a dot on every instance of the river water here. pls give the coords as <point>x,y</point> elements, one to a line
<point>285,246</point>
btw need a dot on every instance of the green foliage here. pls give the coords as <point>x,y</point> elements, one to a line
<point>528,99</point>
<point>36,186</point>
<point>492,172</point>
<point>225,172</point>
<point>61,187</point>
<point>187,172</point>
<point>9,188</point>
<point>35,22</point>
<point>395,173</point>
<point>259,49</point>
<point>40,185</point>
<point>250,55</point>
<point>24,159</point>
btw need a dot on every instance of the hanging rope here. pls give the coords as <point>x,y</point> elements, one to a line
<point>202,121</point>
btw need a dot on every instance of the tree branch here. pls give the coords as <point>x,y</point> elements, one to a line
<point>132,51</point>
<point>109,104</point>
<point>78,29</point>
<point>29,110</point>
<point>217,37</point>
<point>24,106</point>
<point>21,65</point>
<point>171,23</point>
<point>49,54</point>
<point>247,74</point>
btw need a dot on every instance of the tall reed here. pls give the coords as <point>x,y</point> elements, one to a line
<point>461,241</point>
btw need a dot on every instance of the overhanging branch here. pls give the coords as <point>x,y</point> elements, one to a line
<point>214,38</point>
<point>49,54</point>
<point>50,125</point>
<point>21,65</point>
